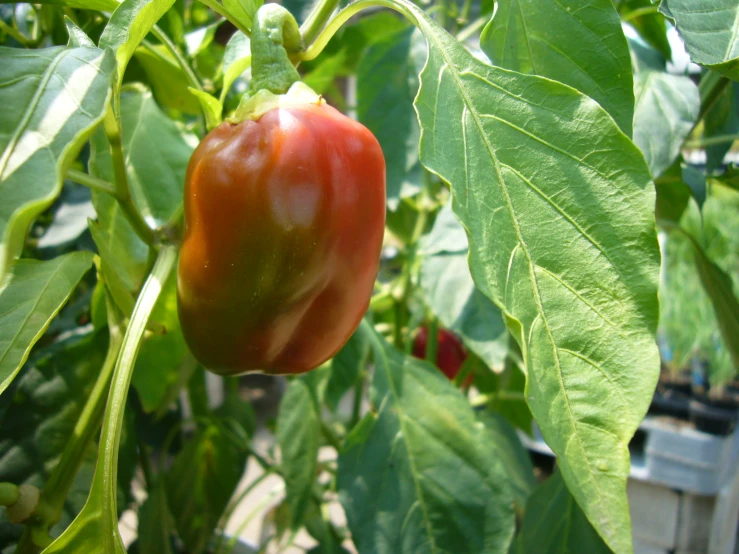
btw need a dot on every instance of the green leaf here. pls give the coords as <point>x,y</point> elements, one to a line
<point>298,434</point>
<point>514,456</point>
<point>718,285</point>
<point>418,474</point>
<point>236,60</point>
<point>452,295</point>
<point>243,10</point>
<point>50,102</point>
<point>157,152</point>
<point>98,5</point>
<point>721,120</point>
<point>643,16</point>
<point>201,481</point>
<point>211,107</point>
<point>168,81</point>
<point>345,369</point>
<point>538,38</point>
<point>77,37</point>
<point>645,58</point>
<point>506,390</point>
<point>299,8</point>
<point>709,30</point>
<point>128,25</point>
<point>386,83</point>
<point>30,296</point>
<point>666,111</point>
<point>155,522</point>
<point>550,191</point>
<point>554,523</point>
<point>115,268</point>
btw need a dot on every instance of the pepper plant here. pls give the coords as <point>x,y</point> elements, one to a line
<point>532,151</point>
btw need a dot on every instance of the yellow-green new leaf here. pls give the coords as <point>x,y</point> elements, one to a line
<point>130,23</point>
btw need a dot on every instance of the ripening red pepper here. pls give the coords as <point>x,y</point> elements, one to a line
<point>284,221</point>
<point>450,352</point>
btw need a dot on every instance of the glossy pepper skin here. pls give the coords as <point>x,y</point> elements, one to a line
<point>450,352</point>
<point>284,221</point>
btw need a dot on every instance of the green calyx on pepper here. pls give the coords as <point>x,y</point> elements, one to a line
<point>284,221</point>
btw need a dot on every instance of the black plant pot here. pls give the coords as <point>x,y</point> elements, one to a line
<point>672,403</point>
<point>717,417</point>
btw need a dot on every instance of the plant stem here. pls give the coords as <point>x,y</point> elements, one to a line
<point>262,461</point>
<point>710,141</point>
<point>639,12</point>
<point>112,127</point>
<point>358,394</point>
<point>235,504</point>
<point>330,435</point>
<point>172,48</point>
<point>15,33</point>
<point>9,494</point>
<point>106,469</point>
<point>258,508</point>
<point>221,10</point>
<point>484,399</point>
<point>471,29</point>
<point>432,341</point>
<point>316,20</point>
<point>90,182</point>
<point>711,86</point>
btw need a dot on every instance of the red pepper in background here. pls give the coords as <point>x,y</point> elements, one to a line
<point>450,352</point>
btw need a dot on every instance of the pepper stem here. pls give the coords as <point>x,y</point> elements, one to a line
<point>275,37</point>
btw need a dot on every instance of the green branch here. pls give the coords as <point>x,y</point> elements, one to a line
<point>112,126</point>
<point>317,19</point>
<point>90,182</point>
<point>172,48</point>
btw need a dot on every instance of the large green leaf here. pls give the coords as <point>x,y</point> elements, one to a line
<point>157,152</point>
<point>709,30</point>
<point>554,523</point>
<point>386,83</point>
<point>168,81</point>
<point>515,457</point>
<point>538,37</point>
<point>30,296</point>
<point>50,100</point>
<point>666,111</point>
<point>417,474</point>
<point>560,211</point>
<point>298,434</point>
<point>452,295</point>
<point>129,24</point>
